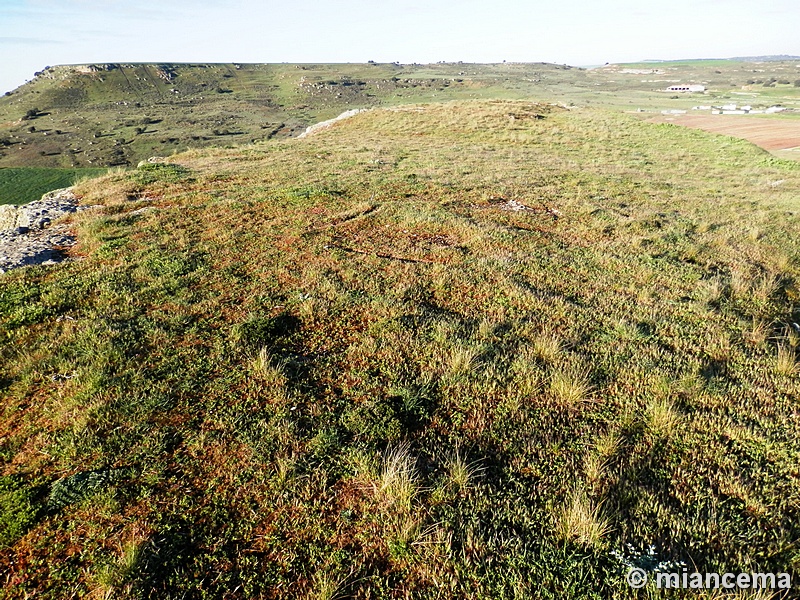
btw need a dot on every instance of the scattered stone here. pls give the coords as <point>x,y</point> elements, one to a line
<point>141,211</point>
<point>515,206</point>
<point>152,160</point>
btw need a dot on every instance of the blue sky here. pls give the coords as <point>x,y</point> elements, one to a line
<point>36,33</point>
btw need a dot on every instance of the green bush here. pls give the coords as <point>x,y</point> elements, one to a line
<point>18,510</point>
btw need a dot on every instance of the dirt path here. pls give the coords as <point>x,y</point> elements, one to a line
<point>770,133</point>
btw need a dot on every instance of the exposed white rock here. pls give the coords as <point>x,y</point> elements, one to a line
<point>21,247</point>
<point>27,236</point>
<point>325,124</point>
<point>39,213</point>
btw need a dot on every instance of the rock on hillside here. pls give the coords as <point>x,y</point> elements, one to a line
<point>40,213</point>
<point>26,234</point>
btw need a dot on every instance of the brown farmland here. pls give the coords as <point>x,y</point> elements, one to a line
<point>770,133</point>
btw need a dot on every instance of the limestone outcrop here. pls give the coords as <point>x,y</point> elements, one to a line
<point>39,213</point>
<point>27,236</point>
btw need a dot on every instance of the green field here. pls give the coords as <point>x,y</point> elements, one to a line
<point>349,366</point>
<point>25,184</point>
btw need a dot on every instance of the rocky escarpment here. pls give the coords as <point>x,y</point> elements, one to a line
<point>27,235</point>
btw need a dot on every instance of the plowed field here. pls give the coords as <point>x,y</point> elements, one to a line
<point>770,133</point>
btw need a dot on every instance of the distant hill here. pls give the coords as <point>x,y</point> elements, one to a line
<point>118,114</point>
<point>769,58</point>
<point>100,115</point>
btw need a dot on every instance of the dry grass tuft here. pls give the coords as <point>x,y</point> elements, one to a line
<point>712,291</point>
<point>757,334</point>
<point>570,387</point>
<point>327,587</point>
<point>608,444</point>
<point>460,472</point>
<point>398,481</point>
<point>766,287</point>
<point>786,361</point>
<point>662,417</point>
<point>760,594</point>
<point>462,361</point>
<point>581,521</point>
<point>595,468</point>
<point>270,373</point>
<point>740,283</point>
<point>792,337</point>
<point>547,347</point>
<point>112,579</point>
<point>486,328</point>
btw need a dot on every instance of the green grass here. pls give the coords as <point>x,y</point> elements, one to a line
<point>337,366</point>
<point>25,184</point>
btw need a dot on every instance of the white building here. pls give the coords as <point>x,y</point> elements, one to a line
<point>686,88</point>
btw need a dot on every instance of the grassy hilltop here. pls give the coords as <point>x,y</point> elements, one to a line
<point>70,119</point>
<point>454,350</point>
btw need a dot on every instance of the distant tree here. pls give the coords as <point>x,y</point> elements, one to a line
<point>31,129</point>
<point>31,114</point>
<point>797,83</point>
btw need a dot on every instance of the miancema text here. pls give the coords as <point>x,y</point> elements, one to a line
<point>729,581</point>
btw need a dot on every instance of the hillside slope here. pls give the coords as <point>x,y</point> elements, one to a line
<point>119,114</point>
<point>437,351</point>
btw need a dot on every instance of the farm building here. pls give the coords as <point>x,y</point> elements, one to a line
<point>686,88</point>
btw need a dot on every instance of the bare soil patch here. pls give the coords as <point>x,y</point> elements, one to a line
<point>769,133</point>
